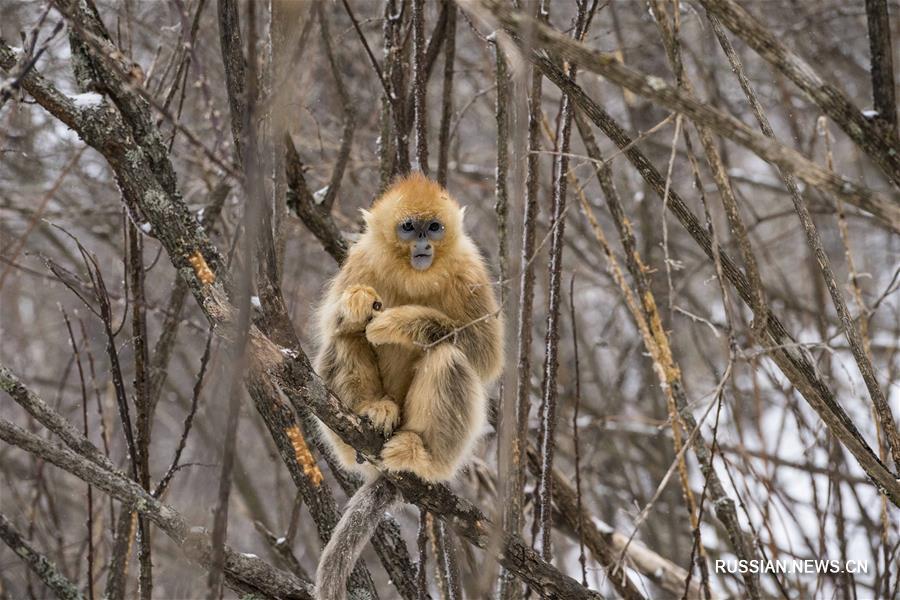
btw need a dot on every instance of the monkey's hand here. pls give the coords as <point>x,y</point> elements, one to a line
<point>387,328</point>
<point>359,304</point>
<point>409,325</point>
<point>383,413</point>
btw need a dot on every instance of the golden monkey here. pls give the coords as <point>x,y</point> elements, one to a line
<point>434,346</point>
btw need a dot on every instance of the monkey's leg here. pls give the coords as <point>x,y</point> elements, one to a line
<point>350,369</point>
<point>443,415</point>
<point>361,386</point>
<point>358,381</point>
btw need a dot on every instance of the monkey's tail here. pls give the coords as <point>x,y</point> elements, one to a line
<point>357,525</point>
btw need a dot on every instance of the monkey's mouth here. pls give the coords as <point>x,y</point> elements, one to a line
<point>421,260</point>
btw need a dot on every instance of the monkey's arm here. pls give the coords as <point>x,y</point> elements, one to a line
<point>410,325</point>
<point>479,334</point>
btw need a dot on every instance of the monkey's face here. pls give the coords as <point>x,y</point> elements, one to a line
<point>421,235</point>
<point>413,231</point>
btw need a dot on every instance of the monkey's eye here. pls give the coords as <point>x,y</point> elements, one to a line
<point>376,306</point>
<point>406,226</point>
<point>434,226</point>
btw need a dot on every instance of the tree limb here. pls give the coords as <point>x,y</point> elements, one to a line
<point>882,59</point>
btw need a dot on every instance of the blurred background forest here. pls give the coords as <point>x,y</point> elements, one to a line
<point>647,334</point>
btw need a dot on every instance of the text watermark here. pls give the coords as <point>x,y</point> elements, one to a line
<point>804,566</point>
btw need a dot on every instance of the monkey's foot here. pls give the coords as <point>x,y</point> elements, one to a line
<point>359,304</point>
<point>383,413</point>
<point>406,452</point>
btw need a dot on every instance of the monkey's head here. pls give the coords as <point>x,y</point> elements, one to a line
<point>417,220</point>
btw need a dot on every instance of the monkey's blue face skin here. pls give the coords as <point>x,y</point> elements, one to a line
<point>419,234</point>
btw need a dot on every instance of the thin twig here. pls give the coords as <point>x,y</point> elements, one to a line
<point>85,431</point>
<point>579,530</point>
<point>188,421</point>
<point>447,93</point>
<point>418,91</point>
<point>422,564</point>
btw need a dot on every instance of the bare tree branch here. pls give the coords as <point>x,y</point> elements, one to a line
<point>793,360</point>
<point>882,58</point>
<point>882,148</point>
<point>37,562</point>
<point>243,573</point>
<point>563,47</point>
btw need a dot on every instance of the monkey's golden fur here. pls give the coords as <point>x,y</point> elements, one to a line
<point>356,377</point>
<point>418,368</point>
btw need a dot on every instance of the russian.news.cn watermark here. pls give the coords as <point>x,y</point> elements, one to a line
<point>803,566</point>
